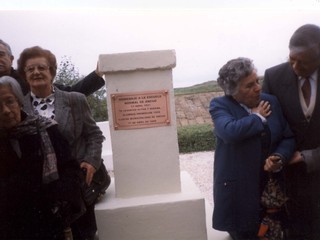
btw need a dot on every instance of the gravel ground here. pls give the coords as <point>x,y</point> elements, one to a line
<point>200,167</point>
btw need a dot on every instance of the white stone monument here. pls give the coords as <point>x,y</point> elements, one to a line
<point>148,198</point>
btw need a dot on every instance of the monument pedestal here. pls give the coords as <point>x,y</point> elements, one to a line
<point>179,216</point>
<point>148,199</point>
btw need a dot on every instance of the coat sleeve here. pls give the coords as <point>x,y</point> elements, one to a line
<point>90,134</point>
<point>230,126</point>
<point>286,144</point>
<point>265,83</point>
<point>311,158</point>
<point>86,86</point>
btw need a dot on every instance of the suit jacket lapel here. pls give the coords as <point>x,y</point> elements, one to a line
<point>27,105</point>
<point>291,91</point>
<point>317,103</point>
<point>62,108</point>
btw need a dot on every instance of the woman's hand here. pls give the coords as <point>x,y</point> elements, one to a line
<point>90,171</point>
<point>264,109</point>
<point>273,164</point>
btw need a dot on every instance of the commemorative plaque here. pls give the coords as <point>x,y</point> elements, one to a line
<point>141,109</point>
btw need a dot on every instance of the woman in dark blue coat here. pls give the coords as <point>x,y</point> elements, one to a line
<point>253,138</point>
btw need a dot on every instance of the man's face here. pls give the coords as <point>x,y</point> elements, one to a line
<point>249,91</point>
<point>304,63</point>
<point>5,61</point>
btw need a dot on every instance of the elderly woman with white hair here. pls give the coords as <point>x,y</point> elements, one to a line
<point>40,191</point>
<point>252,139</point>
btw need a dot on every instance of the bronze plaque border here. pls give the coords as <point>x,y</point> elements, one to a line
<point>122,125</point>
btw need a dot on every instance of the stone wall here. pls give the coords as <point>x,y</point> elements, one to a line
<point>193,109</point>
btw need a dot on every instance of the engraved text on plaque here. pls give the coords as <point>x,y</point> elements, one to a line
<point>141,109</point>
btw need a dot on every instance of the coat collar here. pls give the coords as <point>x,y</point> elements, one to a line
<point>62,107</point>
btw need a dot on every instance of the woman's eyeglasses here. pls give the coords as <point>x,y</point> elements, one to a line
<point>40,67</point>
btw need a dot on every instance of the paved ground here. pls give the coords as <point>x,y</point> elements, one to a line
<point>200,166</point>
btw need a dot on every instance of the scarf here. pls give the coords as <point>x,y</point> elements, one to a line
<point>35,124</point>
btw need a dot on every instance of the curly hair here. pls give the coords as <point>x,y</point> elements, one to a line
<point>232,73</point>
<point>34,52</point>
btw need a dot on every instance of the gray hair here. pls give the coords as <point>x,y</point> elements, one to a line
<point>7,46</point>
<point>232,73</point>
<point>15,87</point>
<point>304,38</point>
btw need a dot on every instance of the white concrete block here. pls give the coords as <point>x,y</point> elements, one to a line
<point>106,145</point>
<point>178,216</point>
<point>143,156</point>
<point>146,162</point>
<point>133,61</point>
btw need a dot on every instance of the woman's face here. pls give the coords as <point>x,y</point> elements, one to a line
<point>10,114</point>
<point>249,91</point>
<point>38,76</point>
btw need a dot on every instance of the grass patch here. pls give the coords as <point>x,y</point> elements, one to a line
<point>196,138</point>
<point>210,86</point>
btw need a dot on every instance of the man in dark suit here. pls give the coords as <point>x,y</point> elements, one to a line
<point>296,84</point>
<point>87,86</point>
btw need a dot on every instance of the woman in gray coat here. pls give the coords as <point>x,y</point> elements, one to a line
<point>71,110</point>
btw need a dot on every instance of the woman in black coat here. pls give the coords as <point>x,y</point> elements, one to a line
<point>40,191</point>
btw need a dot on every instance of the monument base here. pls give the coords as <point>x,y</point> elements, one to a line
<point>166,216</point>
<point>106,154</point>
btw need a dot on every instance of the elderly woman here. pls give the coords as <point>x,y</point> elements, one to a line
<point>87,85</point>
<point>71,110</point>
<point>40,190</point>
<point>253,138</point>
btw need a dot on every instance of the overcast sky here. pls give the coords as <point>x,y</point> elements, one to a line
<point>204,34</point>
